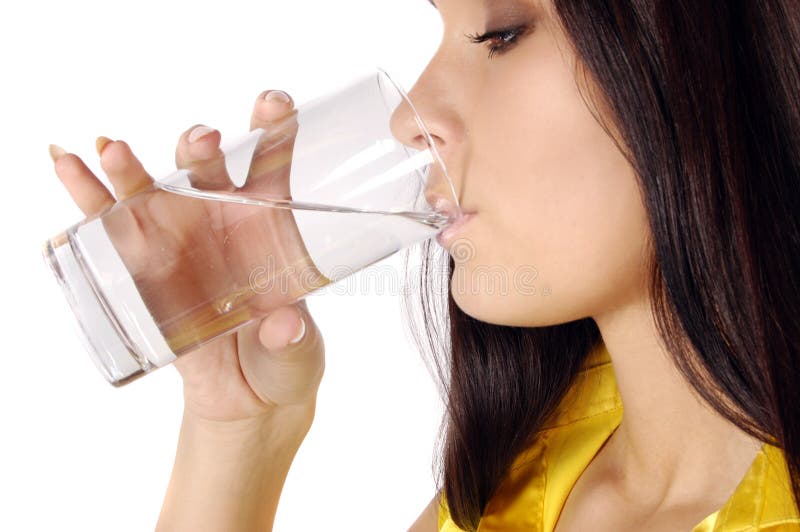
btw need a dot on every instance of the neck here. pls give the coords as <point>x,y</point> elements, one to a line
<point>670,446</point>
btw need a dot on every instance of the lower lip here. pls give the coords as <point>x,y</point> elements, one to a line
<point>446,237</point>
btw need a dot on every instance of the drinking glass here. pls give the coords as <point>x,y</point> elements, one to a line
<point>304,202</point>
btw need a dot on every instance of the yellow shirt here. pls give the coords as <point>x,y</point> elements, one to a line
<point>540,479</point>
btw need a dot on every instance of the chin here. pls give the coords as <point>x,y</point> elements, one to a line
<point>486,308</point>
<point>508,311</point>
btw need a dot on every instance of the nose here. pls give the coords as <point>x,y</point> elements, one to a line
<point>418,124</point>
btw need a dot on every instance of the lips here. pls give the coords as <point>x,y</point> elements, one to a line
<point>446,207</point>
<point>451,232</point>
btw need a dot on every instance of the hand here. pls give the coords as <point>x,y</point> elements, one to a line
<point>240,377</point>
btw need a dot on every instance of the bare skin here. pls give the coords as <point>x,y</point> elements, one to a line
<point>672,461</point>
<point>550,190</point>
<point>249,397</point>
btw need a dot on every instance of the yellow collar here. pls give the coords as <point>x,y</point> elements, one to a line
<point>536,487</point>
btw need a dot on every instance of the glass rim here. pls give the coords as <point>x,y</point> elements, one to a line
<point>426,133</point>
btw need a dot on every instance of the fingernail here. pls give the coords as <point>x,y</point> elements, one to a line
<point>300,333</point>
<point>198,132</point>
<point>101,143</point>
<point>56,152</point>
<point>277,96</point>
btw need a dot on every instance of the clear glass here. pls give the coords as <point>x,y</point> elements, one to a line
<point>300,204</point>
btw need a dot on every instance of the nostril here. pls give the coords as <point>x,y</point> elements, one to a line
<point>432,142</point>
<point>421,143</point>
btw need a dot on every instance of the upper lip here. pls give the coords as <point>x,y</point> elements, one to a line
<point>447,207</point>
<point>466,212</point>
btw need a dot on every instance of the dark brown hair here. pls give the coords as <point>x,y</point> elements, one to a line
<point>704,99</point>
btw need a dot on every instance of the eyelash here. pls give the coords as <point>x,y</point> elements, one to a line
<point>508,37</point>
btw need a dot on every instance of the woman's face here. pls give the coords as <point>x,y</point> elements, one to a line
<point>559,229</point>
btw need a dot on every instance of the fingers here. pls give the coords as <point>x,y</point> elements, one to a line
<point>87,191</point>
<point>199,151</point>
<point>269,170</point>
<point>282,328</point>
<point>199,146</point>
<point>279,370</point>
<point>124,170</point>
<point>285,327</point>
<point>270,106</point>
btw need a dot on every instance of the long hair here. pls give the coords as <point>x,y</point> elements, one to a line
<point>703,98</point>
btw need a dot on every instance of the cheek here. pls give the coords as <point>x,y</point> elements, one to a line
<point>554,260</point>
<point>560,207</point>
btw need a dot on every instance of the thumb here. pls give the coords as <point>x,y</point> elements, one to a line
<point>282,357</point>
<point>282,330</point>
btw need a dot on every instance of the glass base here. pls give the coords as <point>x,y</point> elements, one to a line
<point>112,346</point>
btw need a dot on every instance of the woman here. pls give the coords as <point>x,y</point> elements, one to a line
<point>632,169</point>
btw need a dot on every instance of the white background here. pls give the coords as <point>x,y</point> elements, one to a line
<point>78,454</point>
